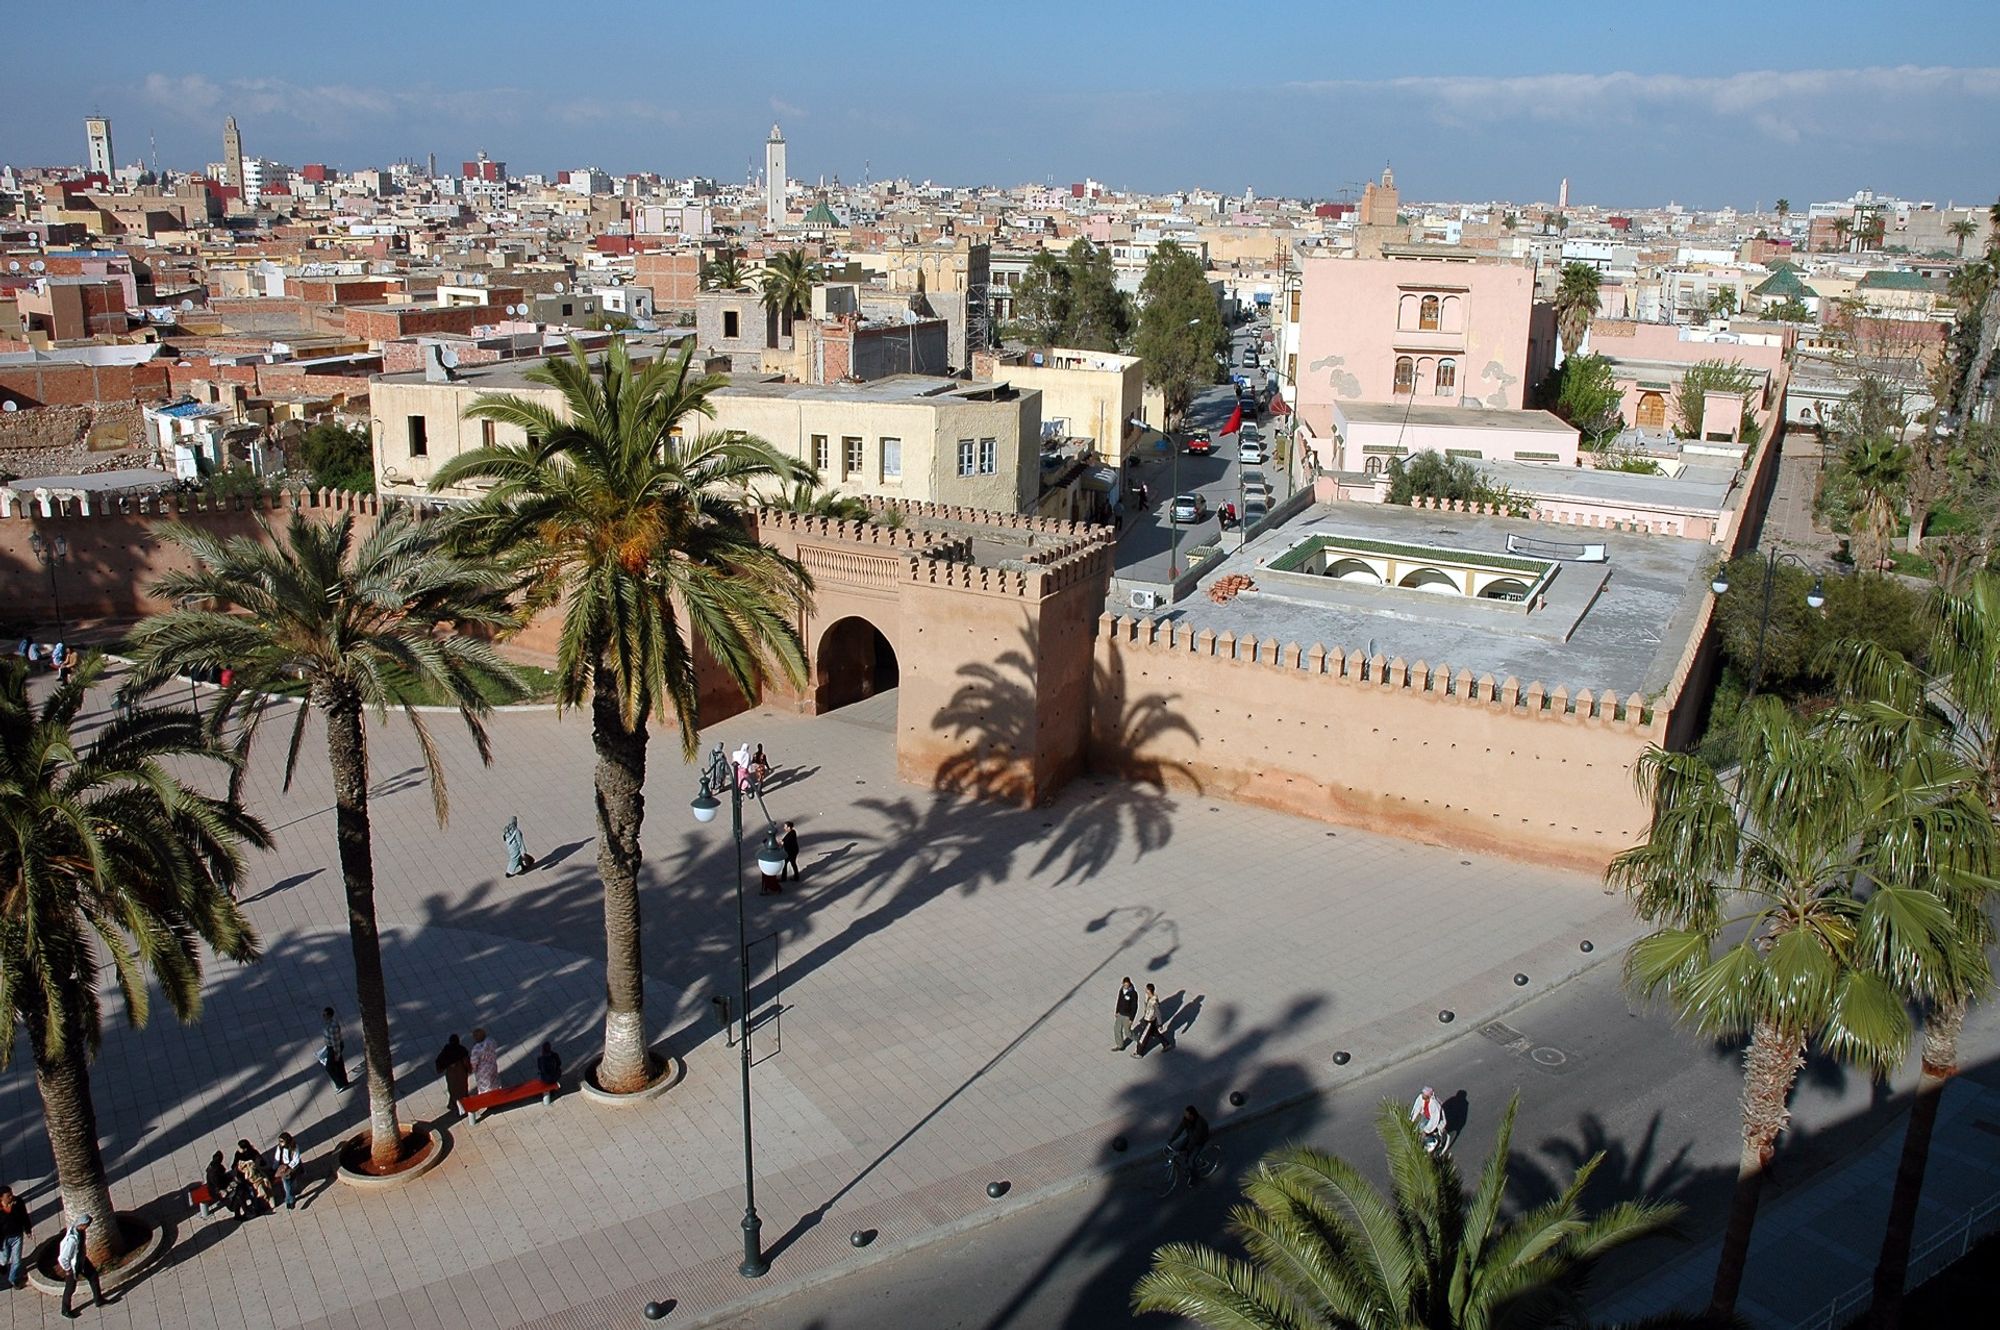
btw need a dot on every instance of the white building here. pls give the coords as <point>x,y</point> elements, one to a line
<point>97,129</point>
<point>775,179</point>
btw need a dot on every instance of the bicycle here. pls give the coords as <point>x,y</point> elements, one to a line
<point>1205,1163</point>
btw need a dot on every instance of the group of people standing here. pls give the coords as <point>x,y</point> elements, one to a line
<point>1135,1020</point>
<point>476,1070</point>
<point>254,1180</point>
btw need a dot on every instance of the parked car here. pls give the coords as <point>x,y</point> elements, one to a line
<point>1250,451</point>
<point>1190,508</point>
<point>1252,478</point>
<point>1254,511</point>
<point>1199,443</point>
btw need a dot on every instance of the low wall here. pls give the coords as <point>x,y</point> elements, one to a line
<point>1427,753</point>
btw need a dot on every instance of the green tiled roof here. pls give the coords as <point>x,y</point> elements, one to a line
<point>821,215</point>
<point>1894,280</point>
<point>1784,284</point>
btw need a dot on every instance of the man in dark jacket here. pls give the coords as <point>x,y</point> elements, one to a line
<point>14,1230</point>
<point>1188,1140</point>
<point>789,843</point>
<point>1122,1014</point>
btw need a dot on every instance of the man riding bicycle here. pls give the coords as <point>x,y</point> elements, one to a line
<point>1188,1140</point>
<point>1428,1113</point>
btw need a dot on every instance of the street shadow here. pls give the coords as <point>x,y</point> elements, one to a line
<point>283,884</point>
<point>563,852</point>
<point>783,778</point>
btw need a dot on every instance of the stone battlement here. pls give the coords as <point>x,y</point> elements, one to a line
<point>1535,700</point>
<point>44,503</point>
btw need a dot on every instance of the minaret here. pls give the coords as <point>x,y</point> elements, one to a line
<point>232,154</point>
<point>1562,197</point>
<point>774,179</point>
<point>97,129</point>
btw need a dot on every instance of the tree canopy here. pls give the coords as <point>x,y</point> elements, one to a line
<point>1180,327</point>
<point>338,457</point>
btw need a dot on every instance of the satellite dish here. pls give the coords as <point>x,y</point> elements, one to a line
<point>13,265</point>
<point>183,364</point>
<point>187,304</point>
<point>560,288</point>
<point>10,406</point>
<point>37,266</point>
<point>449,358</point>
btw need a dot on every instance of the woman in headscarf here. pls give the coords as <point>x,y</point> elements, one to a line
<point>518,859</point>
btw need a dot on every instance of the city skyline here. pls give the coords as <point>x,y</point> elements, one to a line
<point>1472,108</point>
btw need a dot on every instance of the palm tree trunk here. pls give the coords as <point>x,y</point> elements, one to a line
<point>1941,1032</point>
<point>621,808</point>
<point>71,1120</point>
<point>1770,1065</point>
<point>347,751</point>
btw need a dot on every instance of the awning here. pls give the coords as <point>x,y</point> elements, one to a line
<point>1101,478</point>
<point>1278,407</point>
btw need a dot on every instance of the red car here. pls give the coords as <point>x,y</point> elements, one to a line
<point>1199,444</point>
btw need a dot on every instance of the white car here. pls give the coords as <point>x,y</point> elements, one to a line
<point>1250,451</point>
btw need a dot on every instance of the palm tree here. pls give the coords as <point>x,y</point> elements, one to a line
<point>788,283</point>
<point>639,535</point>
<point>364,626</point>
<point>725,272</point>
<point>1897,710</point>
<point>1789,906</point>
<point>808,496</point>
<point>1961,231</point>
<point>105,851</point>
<point>1880,468</point>
<point>1843,227</point>
<point>1576,304</point>
<point>1327,1249</point>
<point>1511,220</point>
<point>1784,209</point>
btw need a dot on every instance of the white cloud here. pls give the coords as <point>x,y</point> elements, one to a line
<point>1780,103</point>
<point>781,107</point>
<point>335,107</point>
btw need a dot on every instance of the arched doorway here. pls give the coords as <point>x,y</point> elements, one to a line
<point>854,662</point>
<point>1652,411</point>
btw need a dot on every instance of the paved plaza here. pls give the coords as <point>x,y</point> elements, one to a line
<point>942,984</point>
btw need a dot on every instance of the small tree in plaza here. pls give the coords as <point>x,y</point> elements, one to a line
<point>1328,1249</point>
<point>106,856</point>
<point>361,624</point>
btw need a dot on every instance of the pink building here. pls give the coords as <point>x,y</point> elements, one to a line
<point>1648,360</point>
<point>1412,328</point>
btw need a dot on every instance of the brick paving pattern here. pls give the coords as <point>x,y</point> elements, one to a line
<point>942,984</point>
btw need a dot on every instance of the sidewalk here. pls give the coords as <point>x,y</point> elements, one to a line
<point>1832,1226</point>
<point>944,979</point>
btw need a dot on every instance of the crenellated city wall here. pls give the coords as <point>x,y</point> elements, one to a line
<point>1430,752</point>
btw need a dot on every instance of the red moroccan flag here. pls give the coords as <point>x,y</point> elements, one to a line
<point>1235,420</point>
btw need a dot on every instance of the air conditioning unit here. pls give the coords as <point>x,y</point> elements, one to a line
<point>1140,598</point>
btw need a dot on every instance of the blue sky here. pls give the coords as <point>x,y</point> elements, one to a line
<point>1700,102</point>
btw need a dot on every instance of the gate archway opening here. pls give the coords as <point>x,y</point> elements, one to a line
<point>854,663</point>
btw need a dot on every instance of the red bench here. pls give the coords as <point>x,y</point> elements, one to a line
<point>474,1105</point>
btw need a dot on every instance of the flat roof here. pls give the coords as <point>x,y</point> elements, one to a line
<point>1697,488</point>
<point>101,482</point>
<point>895,388</point>
<point>1451,417</point>
<point>1628,637</point>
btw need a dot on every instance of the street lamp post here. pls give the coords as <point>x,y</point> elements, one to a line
<point>1174,484</point>
<point>52,552</point>
<point>1814,599</point>
<point>718,773</point>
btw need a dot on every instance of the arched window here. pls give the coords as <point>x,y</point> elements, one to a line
<point>1427,315</point>
<point>1373,466</point>
<point>1447,378</point>
<point>1406,374</point>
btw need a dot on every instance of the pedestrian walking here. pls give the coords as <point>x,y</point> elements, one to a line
<point>1149,1022</point>
<point>485,1062</point>
<point>333,1050</point>
<point>285,1161</point>
<point>548,1066</point>
<point>740,759</point>
<point>73,1260</point>
<point>789,843</point>
<point>1121,1015</point>
<point>14,1228</point>
<point>62,662</point>
<point>760,771</point>
<point>519,860</point>
<point>454,1063</point>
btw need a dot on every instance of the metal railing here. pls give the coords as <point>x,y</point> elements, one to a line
<point>1926,1262</point>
